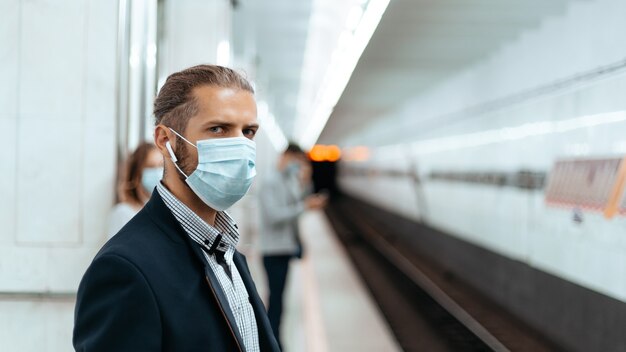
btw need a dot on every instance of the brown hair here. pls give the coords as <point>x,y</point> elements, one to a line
<point>175,105</point>
<point>130,189</point>
<point>294,148</point>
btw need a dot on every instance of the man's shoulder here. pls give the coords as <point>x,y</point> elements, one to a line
<point>139,237</point>
<point>123,208</point>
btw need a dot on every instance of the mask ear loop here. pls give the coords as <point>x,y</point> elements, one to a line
<point>185,139</point>
<point>171,151</point>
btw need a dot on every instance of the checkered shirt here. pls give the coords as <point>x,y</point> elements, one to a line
<point>204,234</point>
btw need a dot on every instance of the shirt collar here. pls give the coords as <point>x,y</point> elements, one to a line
<point>199,230</point>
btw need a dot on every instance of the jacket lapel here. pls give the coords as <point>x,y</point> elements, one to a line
<point>222,301</point>
<point>267,340</point>
<point>218,293</point>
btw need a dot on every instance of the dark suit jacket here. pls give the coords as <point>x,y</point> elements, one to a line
<point>150,289</point>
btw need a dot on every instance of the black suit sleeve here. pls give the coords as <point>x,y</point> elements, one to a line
<point>115,309</point>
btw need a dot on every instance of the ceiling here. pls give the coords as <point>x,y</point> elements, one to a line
<point>273,35</point>
<point>417,44</point>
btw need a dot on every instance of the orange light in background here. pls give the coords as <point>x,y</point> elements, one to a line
<point>321,152</point>
<point>333,153</point>
<point>317,153</point>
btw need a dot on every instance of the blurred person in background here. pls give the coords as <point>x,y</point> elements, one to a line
<point>140,175</point>
<point>172,279</point>
<point>284,196</point>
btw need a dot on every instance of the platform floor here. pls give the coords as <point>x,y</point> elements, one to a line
<point>327,307</point>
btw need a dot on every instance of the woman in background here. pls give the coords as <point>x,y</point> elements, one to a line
<point>142,172</point>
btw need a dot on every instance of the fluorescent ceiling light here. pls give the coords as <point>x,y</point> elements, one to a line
<point>344,61</point>
<point>269,125</point>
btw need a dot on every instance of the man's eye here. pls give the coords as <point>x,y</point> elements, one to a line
<point>249,132</point>
<point>216,129</point>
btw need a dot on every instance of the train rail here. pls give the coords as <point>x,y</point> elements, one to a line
<point>427,308</point>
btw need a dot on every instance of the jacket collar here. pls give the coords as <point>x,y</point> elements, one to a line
<point>164,219</point>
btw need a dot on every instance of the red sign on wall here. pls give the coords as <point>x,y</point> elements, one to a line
<point>589,185</point>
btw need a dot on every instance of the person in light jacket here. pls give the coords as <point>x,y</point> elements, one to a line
<point>285,196</point>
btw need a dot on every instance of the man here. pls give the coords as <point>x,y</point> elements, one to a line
<point>171,279</point>
<point>283,199</point>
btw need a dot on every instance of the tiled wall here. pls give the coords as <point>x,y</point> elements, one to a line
<point>57,93</point>
<point>511,221</point>
<point>58,157</point>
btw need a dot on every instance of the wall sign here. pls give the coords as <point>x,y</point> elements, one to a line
<point>588,184</point>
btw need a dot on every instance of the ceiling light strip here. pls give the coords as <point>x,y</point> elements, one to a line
<point>506,134</point>
<point>270,126</point>
<point>340,70</point>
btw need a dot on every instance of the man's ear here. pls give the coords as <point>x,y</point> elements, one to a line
<point>162,135</point>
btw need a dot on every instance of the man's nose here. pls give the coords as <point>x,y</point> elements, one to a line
<point>236,133</point>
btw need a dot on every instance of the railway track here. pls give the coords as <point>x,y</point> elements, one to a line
<point>427,308</point>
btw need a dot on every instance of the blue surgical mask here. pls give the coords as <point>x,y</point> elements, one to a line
<point>150,177</point>
<point>226,168</point>
<point>293,168</point>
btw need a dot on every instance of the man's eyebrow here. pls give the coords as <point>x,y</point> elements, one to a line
<point>227,123</point>
<point>218,122</point>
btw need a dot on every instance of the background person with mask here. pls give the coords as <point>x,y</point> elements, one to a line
<point>284,196</point>
<point>171,279</point>
<point>140,175</point>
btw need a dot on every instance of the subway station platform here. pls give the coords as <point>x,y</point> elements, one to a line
<point>477,174</point>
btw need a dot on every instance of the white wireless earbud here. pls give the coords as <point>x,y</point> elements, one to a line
<point>169,150</point>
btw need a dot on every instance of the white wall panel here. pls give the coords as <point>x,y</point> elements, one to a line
<point>98,181</point>
<point>100,58</point>
<point>385,192</point>
<point>7,181</point>
<point>194,30</point>
<point>46,325</point>
<point>493,218</point>
<point>604,264</point>
<point>9,56</point>
<point>590,253</point>
<point>50,154</point>
<point>23,269</point>
<point>66,266</point>
<point>52,47</point>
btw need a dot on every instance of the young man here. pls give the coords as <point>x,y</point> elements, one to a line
<point>171,279</point>
<point>284,197</point>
